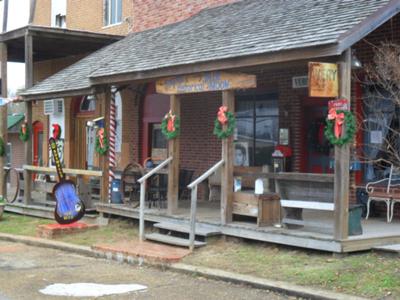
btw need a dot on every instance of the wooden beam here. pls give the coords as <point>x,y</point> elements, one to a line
<point>342,158</point>
<point>105,99</point>
<point>3,116</point>
<point>28,156</point>
<point>228,100</point>
<point>173,168</point>
<point>28,61</point>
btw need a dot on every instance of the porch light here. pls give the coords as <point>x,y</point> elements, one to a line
<point>355,62</point>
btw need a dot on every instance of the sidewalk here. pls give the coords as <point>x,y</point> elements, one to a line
<point>134,256</point>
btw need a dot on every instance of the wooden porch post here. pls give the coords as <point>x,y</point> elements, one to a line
<point>228,100</point>
<point>28,117</point>
<point>3,116</point>
<point>342,158</point>
<point>173,168</point>
<point>105,99</point>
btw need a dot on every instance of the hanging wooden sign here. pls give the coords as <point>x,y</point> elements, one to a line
<point>323,80</point>
<point>205,82</point>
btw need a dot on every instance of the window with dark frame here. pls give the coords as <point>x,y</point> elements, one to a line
<point>257,125</point>
<point>112,12</point>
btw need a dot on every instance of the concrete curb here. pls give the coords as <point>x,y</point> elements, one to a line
<point>277,286</point>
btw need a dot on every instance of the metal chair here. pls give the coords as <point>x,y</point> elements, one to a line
<point>129,181</point>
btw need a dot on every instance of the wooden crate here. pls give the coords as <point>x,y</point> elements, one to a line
<point>265,207</point>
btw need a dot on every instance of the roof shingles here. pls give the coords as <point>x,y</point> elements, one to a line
<point>243,28</point>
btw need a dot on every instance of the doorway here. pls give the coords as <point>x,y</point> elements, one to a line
<point>318,153</point>
<point>37,143</point>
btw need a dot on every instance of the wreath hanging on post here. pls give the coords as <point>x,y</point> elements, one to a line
<point>101,142</point>
<point>227,118</point>
<point>171,126</point>
<point>334,127</point>
<point>24,132</point>
<point>2,147</point>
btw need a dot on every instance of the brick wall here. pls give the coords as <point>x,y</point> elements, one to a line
<point>148,14</point>
<point>42,13</point>
<point>17,148</point>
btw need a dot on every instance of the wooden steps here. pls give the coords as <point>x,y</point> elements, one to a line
<point>201,230</point>
<point>394,248</point>
<point>172,240</point>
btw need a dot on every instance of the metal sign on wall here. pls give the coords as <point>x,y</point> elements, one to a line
<point>323,80</point>
<point>205,82</point>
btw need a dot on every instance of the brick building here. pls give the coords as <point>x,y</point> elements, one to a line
<point>272,41</point>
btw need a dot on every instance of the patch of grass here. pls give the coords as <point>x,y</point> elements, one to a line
<point>364,274</point>
<point>20,225</point>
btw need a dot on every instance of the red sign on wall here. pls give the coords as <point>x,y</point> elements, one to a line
<point>340,104</point>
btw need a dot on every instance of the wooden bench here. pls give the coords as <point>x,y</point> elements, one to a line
<point>300,191</point>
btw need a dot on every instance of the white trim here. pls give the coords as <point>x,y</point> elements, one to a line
<point>112,25</point>
<point>308,204</point>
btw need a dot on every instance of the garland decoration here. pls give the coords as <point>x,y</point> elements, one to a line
<point>171,126</point>
<point>101,142</point>
<point>227,118</point>
<point>334,127</point>
<point>2,147</point>
<point>24,132</point>
<point>56,131</point>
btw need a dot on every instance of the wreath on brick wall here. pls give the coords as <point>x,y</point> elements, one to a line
<point>2,147</point>
<point>171,126</point>
<point>102,145</point>
<point>24,132</point>
<point>334,127</point>
<point>227,118</point>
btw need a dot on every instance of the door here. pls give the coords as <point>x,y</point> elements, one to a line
<point>38,143</point>
<point>318,153</point>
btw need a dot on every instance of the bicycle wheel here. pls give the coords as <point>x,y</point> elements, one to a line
<point>12,181</point>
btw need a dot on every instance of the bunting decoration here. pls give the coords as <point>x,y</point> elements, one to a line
<point>111,152</point>
<point>225,123</point>
<point>340,127</point>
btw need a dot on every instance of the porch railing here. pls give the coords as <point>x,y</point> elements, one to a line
<point>142,182</point>
<point>193,203</point>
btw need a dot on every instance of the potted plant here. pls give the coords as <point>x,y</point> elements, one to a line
<point>2,205</point>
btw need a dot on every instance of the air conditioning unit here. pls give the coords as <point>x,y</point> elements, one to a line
<point>53,107</point>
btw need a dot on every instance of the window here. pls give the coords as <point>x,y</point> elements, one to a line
<point>257,127</point>
<point>112,12</point>
<point>88,104</point>
<point>58,13</point>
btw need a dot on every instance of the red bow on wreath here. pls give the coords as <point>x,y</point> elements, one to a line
<point>222,115</point>
<point>100,134</point>
<point>171,121</point>
<point>23,128</point>
<point>339,120</point>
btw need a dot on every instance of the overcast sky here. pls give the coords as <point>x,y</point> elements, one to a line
<point>18,14</point>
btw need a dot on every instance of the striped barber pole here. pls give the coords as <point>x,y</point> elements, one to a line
<point>111,150</point>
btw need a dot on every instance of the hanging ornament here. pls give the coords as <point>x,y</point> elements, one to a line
<point>24,132</point>
<point>336,120</point>
<point>170,125</point>
<point>56,131</point>
<point>2,147</point>
<point>224,118</point>
<point>101,142</point>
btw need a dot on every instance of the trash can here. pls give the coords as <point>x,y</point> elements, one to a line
<point>362,199</point>
<point>355,212</point>
<point>116,195</point>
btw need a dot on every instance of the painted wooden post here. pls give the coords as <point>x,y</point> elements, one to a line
<point>173,168</point>
<point>228,100</point>
<point>28,117</point>
<point>342,158</point>
<point>105,99</point>
<point>3,116</point>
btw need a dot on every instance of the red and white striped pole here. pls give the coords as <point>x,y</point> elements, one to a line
<point>111,150</point>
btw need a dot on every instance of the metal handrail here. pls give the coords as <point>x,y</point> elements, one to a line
<point>142,181</point>
<point>193,204</point>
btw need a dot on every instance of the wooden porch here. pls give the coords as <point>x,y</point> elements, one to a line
<point>376,232</point>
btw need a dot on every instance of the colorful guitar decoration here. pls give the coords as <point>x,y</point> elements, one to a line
<point>69,208</point>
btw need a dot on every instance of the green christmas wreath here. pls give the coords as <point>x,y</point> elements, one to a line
<point>2,147</point>
<point>24,132</point>
<point>230,129</point>
<point>350,129</point>
<point>171,126</point>
<point>102,145</point>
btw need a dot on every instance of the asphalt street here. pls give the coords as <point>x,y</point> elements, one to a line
<point>24,270</point>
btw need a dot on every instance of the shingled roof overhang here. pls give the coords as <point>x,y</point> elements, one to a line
<point>51,42</point>
<point>242,34</point>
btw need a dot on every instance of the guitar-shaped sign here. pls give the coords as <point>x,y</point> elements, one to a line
<point>69,208</point>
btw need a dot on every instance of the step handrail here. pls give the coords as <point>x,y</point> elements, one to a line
<point>193,203</point>
<point>142,181</point>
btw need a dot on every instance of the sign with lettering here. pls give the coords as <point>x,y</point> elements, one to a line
<point>340,104</point>
<point>299,82</point>
<point>205,82</point>
<point>323,79</point>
